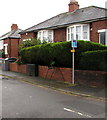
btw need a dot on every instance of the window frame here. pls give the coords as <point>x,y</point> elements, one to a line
<point>6,49</point>
<point>101,31</point>
<point>82,32</point>
<point>46,35</point>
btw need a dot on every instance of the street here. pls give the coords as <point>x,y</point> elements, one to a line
<point>24,100</point>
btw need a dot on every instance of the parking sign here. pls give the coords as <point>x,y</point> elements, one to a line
<point>74,43</point>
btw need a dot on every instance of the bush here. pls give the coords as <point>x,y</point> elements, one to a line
<point>43,54</point>
<point>1,53</point>
<point>29,43</point>
<point>84,46</point>
<point>94,60</point>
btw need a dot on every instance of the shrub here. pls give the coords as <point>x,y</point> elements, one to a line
<point>94,60</point>
<point>43,54</point>
<point>29,43</point>
<point>84,46</point>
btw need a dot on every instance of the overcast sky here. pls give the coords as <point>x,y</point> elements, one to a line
<point>27,13</point>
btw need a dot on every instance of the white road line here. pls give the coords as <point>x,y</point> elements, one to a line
<point>79,113</point>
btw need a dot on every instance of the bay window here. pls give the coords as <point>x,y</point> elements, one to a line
<point>78,32</point>
<point>45,35</point>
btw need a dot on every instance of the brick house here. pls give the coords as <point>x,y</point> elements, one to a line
<point>1,48</point>
<point>89,24</point>
<point>10,41</point>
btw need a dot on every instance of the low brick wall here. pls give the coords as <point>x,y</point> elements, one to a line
<point>13,67</point>
<point>91,78</point>
<point>22,69</point>
<point>84,77</point>
<point>63,74</point>
<point>17,68</point>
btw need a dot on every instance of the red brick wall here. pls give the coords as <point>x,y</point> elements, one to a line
<point>14,47</point>
<point>22,69</point>
<point>94,36</point>
<point>84,77</point>
<point>17,68</point>
<point>90,78</point>
<point>28,35</point>
<point>13,67</point>
<point>60,35</point>
<point>63,74</point>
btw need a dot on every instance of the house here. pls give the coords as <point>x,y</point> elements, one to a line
<point>10,42</point>
<point>89,24</point>
<point>1,48</point>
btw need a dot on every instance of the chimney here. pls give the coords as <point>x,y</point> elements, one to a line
<point>73,5</point>
<point>14,27</point>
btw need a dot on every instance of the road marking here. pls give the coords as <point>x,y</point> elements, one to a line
<point>79,113</point>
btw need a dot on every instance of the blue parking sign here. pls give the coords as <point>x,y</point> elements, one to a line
<point>74,43</point>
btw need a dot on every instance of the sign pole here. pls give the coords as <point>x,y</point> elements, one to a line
<point>74,45</point>
<point>73,82</point>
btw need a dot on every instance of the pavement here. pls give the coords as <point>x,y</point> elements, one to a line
<point>79,90</point>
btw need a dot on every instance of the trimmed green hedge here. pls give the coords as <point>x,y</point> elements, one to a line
<point>94,60</point>
<point>43,54</point>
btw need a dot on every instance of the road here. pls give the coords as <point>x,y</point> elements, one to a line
<point>24,100</point>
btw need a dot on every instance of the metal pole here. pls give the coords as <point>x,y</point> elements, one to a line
<point>73,82</point>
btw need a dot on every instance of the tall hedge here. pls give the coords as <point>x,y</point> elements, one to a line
<point>94,60</point>
<point>43,54</point>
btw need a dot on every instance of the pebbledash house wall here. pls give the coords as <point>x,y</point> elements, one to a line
<point>60,34</point>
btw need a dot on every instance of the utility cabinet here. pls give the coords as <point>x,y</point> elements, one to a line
<point>5,65</point>
<point>32,69</point>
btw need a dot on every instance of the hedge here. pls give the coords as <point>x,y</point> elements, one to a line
<point>43,54</point>
<point>94,60</point>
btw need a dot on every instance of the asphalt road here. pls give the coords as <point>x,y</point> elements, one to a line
<point>24,100</point>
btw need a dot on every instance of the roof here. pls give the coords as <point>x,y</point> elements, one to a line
<point>11,34</point>
<point>86,14</point>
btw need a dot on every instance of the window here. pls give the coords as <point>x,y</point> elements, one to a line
<point>102,36</point>
<point>5,49</point>
<point>78,32</point>
<point>46,35</point>
<point>26,39</point>
<point>72,33</point>
<point>85,32</point>
<point>50,36</point>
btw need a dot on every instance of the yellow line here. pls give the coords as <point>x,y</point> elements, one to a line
<point>60,90</point>
<point>64,92</point>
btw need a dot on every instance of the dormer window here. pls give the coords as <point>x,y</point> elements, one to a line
<point>78,32</point>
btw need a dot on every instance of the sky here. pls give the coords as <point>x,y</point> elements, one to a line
<point>27,13</point>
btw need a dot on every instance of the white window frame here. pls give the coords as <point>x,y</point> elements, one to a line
<point>76,25</point>
<point>1,44</point>
<point>5,50</point>
<point>41,37</point>
<point>26,39</point>
<point>100,31</point>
